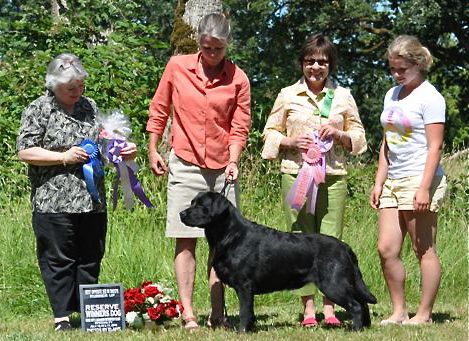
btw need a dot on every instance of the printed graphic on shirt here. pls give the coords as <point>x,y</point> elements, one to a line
<point>397,126</point>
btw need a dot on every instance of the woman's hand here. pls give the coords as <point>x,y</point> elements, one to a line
<point>157,164</point>
<point>328,130</point>
<point>302,142</point>
<point>375,195</point>
<point>422,200</point>
<point>74,155</point>
<point>231,171</point>
<point>129,152</point>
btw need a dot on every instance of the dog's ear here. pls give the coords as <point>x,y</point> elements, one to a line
<point>220,205</point>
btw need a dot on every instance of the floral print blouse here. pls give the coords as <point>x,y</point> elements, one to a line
<point>296,112</point>
<point>58,188</point>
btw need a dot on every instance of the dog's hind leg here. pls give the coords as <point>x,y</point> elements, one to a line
<point>246,309</point>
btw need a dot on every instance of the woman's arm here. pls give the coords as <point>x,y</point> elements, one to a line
<point>434,134</point>
<point>381,175</point>
<point>157,164</point>
<point>352,137</point>
<point>38,156</point>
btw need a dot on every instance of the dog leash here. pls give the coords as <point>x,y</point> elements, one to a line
<point>227,183</point>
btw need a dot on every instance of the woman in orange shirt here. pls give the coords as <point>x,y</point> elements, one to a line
<point>210,100</point>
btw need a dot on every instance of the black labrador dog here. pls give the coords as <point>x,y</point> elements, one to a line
<point>254,259</point>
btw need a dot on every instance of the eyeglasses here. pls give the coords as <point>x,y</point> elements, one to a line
<point>312,61</point>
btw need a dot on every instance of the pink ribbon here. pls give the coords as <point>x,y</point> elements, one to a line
<point>311,174</point>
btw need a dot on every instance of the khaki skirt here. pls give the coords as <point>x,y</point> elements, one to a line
<point>185,181</point>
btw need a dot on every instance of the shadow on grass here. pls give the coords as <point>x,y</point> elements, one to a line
<point>261,325</point>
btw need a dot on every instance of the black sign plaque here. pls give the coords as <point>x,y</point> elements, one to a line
<point>102,307</point>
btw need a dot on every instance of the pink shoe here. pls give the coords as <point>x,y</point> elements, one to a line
<point>310,322</point>
<point>332,321</point>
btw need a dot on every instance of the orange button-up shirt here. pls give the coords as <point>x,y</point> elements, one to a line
<point>208,117</point>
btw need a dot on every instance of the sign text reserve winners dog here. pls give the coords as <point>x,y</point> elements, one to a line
<point>254,259</point>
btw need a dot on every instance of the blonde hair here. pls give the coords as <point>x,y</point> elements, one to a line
<point>63,69</point>
<point>410,48</point>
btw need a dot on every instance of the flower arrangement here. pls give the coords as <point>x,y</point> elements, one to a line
<point>151,302</point>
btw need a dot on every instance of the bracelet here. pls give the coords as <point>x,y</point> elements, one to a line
<point>235,162</point>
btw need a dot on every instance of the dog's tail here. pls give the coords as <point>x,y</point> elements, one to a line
<point>362,289</point>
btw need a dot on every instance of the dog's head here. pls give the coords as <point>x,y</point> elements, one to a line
<point>206,208</point>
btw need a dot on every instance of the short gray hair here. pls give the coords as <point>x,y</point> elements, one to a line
<point>214,25</point>
<point>63,69</point>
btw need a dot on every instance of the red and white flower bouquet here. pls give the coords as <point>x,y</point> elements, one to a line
<point>151,302</point>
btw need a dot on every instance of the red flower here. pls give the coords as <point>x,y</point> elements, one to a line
<point>150,291</point>
<point>159,308</point>
<point>171,312</point>
<point>129,305</point>
<point>139,298</point>
<point>130,293</point>
<point>153,314</point>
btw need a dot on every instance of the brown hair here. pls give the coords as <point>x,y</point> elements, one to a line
<point>410,48</point>
<point>320,44</point>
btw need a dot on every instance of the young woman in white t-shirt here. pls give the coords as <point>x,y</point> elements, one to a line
<point>410,183</point>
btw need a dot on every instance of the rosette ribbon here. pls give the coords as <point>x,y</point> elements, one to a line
<point>126,170</point>
<point>311,174</point>
<point>92,168</point>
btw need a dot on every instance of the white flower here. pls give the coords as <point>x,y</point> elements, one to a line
<point>165,299</point>
<point>159,297</point>
<point>133,319</point>
<point>150,300</point>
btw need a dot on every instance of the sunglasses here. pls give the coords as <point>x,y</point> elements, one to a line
<point>312,61</point>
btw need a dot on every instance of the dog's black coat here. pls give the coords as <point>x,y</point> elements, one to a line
<point>254,259</point>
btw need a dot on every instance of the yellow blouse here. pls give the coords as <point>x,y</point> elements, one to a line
<point>295,112</point>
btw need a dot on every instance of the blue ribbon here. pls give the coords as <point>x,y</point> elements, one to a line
<point>92,167</point>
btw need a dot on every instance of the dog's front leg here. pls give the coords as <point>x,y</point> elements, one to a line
<point>246,309</point>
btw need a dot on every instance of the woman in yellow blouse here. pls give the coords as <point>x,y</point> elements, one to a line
<point>314,105</point>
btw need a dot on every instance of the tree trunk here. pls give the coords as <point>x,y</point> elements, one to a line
<point>186,20</point>
<point>188,15</point>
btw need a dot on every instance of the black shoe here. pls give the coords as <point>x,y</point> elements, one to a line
<point>63,326</point>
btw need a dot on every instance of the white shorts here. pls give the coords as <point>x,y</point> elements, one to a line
<point>185,181</point>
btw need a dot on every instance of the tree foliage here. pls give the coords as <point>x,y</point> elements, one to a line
<point>269,34</point>
<point>125,45</point>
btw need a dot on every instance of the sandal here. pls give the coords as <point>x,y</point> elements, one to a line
<point>332,321</point>
<point>310,322</point>
<point>190,323</point>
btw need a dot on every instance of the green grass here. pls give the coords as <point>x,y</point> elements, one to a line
<point>138,250</point>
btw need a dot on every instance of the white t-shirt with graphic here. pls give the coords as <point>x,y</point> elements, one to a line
<point>404,128</point>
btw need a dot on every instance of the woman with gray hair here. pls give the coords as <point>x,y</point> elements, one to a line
<point>210,100</point>
<point>58,134</point>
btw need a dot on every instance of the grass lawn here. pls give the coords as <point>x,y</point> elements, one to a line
<point>137,250</point>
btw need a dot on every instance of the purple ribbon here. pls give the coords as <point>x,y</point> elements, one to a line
<point>126,174</point>
<point>311,174</point>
